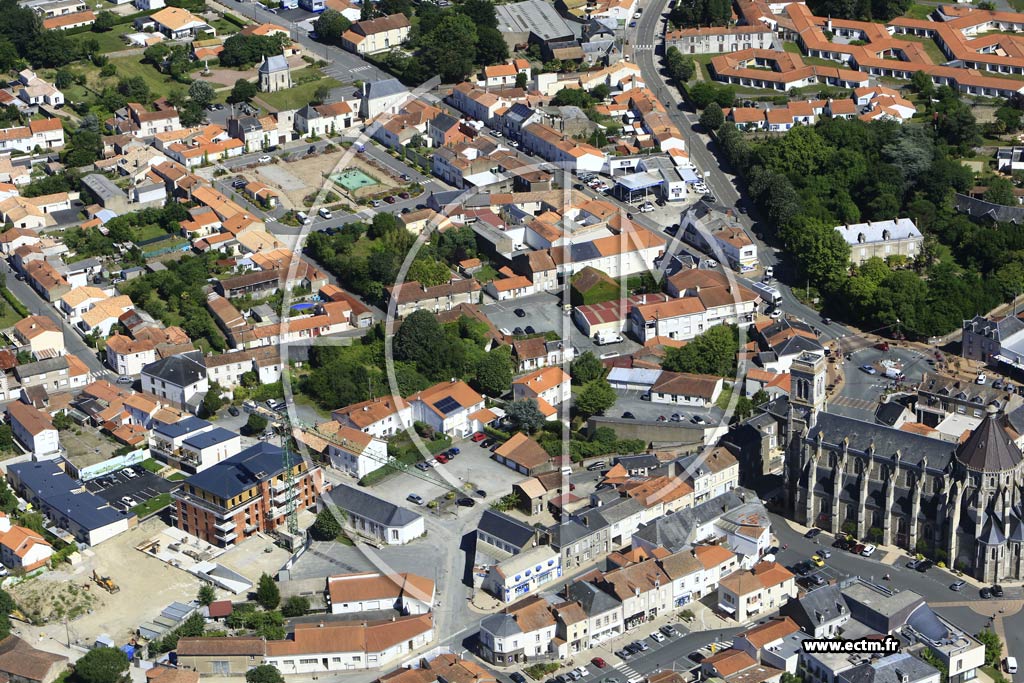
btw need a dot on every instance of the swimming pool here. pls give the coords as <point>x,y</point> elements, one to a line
<point>353,179</point>
<point>302,306</point>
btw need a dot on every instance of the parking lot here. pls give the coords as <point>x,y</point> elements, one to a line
<point>117,486</point>
<point>647,411</point>
<point>544,313</point>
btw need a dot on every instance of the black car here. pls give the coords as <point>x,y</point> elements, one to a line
<point>577,186</point>
<point>696,657</point>
<point>924,566</point>
<point>803,568</point>
<point>520,313</point>
<point>233,411</point>
<point>518,677</point>
<point>486,443</point>
<point>628,416</point>
<point>997,591</point>
<point>632,648</point>
<point>529,330</point>
<point>518,331</point>
<point>599,465</point>
<point>985,593</point>
<point>481,493</point>
<point>466,502</point>
<point>812,533</point>
<point>238,182</point>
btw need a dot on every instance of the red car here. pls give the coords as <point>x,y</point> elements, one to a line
<point>478,437</point>
<point>882,346</point>
<point>390,199</point>
<point>441,458</point>
<point>598,662</point>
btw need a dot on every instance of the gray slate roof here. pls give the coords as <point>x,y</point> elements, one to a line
<point>989,448</point>
<point>274,64</point>
<point>593,600</point>
<point>897,668</point>
<point>500,525</point>
<point>372,508</point>
<point>181,370</point>
<point>886,441</point>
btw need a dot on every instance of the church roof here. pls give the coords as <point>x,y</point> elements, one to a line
<point>989,448</point>
<point>274,64</point>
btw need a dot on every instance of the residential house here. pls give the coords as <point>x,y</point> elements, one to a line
<point>40,336</point>
<point>34,430</point>
<point>537,352</point>
<point>550,384</point>
<point>519,633</point>
<point>375,518</point>
<point>746,593</point>
<point>376,35</point>
<point>882,239</point>
<point>181,379</point>
<point>373,591</point>
<point>21,549</point>
<point>380,417</point>
<point>448,407</point>
<point>523,454</point>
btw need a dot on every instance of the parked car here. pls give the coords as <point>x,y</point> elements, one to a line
<point>698,420</point>
<point>518,677</point>
<point>985,593</point>
<point>594,466</point>
<point>390,199</point>
<point>478,437</point>
<point>466,502</point>
<point>825,554</point>
<point>658,637</point>
<point>422,466</point>
<point>124,379</point>
<point>415,499</point>
<point>997,591</point>
<point>454,450</point>
<point>913,563</point>
<point>628,416</point>
<point>669,630</point>
<point>812,533</point>
<point>129,472</point>
<point>869,550</point>
<point>868,369</point>
<point>957,585</point>
<point>441,458</point>
<point>623,653</point>
<point>128,500</point>
<point>924,566</point>
<point>582,671</point>
<point>264,159</point>
<point>233,411</point>
<point>598,662</point>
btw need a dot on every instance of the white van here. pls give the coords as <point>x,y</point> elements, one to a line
<point>325,213</point>
<point>303,218</point>
<point>566,471</point>
<point>1010,664</point>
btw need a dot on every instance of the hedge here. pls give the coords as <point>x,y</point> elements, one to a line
<point>15,304</point>
<point>232,19</point>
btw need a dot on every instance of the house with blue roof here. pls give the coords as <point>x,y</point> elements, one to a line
<point>166,440</point>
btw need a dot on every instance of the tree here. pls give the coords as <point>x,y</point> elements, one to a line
<point>201,92</point>
<point>521,80</point>
<point>295,606</point>
<point>268,595</point>
<point>494,372</point>
<point>266,673</point>
<point>575,97</point>
<point>134,89</point>
<point>102,665</point>
<point>213,401</point>
<point>330,25</point>
<point>491,47</point>
<point>586,368</point>
<point>595,397</point>
<point>1000,191</point>
<point>243,91</point>
<point>525,416</point>
<point>321,94</point>
<point>256,423</point>
<point>993,646</point>
<point>326,527</point>
<point>6,439</point>
<point>105,21</point>
<point>450,48</point>
<point>712,117</point>
<point>421,340</point>
<point>481,12</point>
<point>206,595</point>
<point>713,353</point>
<point>702,94</point>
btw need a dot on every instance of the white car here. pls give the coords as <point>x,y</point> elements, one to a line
<point>130,473</point>
<point>646,208</point>
<point>658,637</point>
<point>265,159</point>
<point>582,671</point>
<point>325,213</point>
<point>869,550</point>
<point>775,314</point>
<point>982,378</point>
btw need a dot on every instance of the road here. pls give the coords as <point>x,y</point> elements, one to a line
<point>40,306</point>
<point>342,65</point>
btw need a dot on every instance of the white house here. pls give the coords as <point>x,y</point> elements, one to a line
<point>523,631</point>
<point>379,417</point>
<point>685,389</point>
<point>448,407</point>
<point>524,573</point>
<point>347,645</point>
<point>370,516</point>
<point>899,237</point>
<point>180,379</point>
<point>166,441</point>
<point>22,549</point>
<point>127,356</point>
<point>719,234</point>
<point>34,430</point>
<point>208,447</point>
<point>747,593</point>
<point>352,451</point>
<point>550,383</point>
<point>373,591</point>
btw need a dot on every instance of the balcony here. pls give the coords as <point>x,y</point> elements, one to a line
<point>282,485</point>
<point>226,525</point>
<point>227,537</point>
<point>285,496</point>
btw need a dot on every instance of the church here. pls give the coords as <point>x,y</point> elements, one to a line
<point>275,74</point>
<point>956,502</point>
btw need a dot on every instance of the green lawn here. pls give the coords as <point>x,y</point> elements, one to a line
<point>930,46</point>
<point>724,397</point>
<point>297,97</point>
<point>918,11</point>
<point>155,503</point>
<point>151,465</point>
<point>149,232</point>
<point>110,41</point>
<point>486,273</point>
<point>178,476</point>
<point>224,27</point>
<point>790,46</point>
<point>128,67</point>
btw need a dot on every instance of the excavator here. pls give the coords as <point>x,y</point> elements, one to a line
<point>105,582</point>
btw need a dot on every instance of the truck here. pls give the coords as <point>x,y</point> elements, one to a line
<point>770,295</point>
<point>892,370</point>
<point>607,337</point>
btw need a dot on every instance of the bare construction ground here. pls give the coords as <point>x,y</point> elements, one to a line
<point>307,175</point>
<point>146,584</point>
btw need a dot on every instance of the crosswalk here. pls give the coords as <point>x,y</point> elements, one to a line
<point>626,670</point>
<point>856,403</point>
<point>638,48</point>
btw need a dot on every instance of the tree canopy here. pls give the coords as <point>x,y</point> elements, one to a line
<point>712,353</point>
<point>102,665</point>
<point>595,397</point>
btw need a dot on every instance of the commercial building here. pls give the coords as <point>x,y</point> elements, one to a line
<point>375,518</point>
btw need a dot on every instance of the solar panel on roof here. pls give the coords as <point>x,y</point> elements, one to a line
<point>447,405</point>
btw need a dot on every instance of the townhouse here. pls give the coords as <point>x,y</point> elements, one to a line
<point>548,143</point>
<point>520,632</point>
<point>40,336</point>
<point>380,417</point>
<point>376,35</point>
<point>349,450</point>
<point>38,135</point>
<point>882,239</point>
<point>325,120</point>
<point>228,369</point>
<point>534,353</point>
<point>746,593</point>
<point>719,39</point>
<point>412,296</point>
<point>34,430</point>
<point>551,383</point>
<point>523,573</point>
<point>180,379</point>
